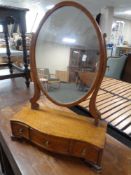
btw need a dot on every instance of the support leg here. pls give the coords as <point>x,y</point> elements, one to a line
<point>34,99</point>
<point>6,33</point>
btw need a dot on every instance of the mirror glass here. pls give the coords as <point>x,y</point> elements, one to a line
<point>67,55</point>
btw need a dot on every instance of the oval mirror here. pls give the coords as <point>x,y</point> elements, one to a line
<point>68,54</point>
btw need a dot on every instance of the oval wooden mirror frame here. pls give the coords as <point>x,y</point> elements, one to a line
<point>43,127</point>
<point>101,69</point>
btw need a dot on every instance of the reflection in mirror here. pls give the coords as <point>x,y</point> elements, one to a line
<point>67,55</point>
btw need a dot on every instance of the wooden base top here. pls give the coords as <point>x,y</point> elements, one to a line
<point>63,124</point>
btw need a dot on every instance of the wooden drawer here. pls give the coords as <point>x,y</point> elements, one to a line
<point>75,143</point>
<point>20,130</point>
<point>87,151</point>
<point>52,143</point>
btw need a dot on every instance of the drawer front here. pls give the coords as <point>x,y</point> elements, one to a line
<point>90,153</point>
<point>48,142</point>
<point>20,130</point>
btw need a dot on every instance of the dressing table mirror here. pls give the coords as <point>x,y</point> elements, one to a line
<point>67,66</point>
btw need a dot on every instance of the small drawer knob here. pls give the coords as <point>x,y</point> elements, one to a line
<point>83,153</point>
<point>21,131</point>
<point>46,143</point>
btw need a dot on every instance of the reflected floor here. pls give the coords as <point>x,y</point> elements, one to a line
<point>5,71</point>
<point>67,92</point>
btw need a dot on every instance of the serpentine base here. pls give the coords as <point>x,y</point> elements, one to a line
<point>61,132</point>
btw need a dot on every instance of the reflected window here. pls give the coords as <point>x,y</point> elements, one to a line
<point>1,28</point>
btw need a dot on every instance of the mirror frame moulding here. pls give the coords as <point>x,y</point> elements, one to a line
<point>101,69</point>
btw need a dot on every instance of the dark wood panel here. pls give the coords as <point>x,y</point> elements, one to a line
<point>126,74</point>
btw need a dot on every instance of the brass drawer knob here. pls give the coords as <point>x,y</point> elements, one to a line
<point>83,153</point>
<point>46,143</point>
<point>21,130</point>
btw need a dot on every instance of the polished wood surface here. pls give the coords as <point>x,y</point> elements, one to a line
<point>46,128</point>
<point>114,103</point>
<point>28,160</point>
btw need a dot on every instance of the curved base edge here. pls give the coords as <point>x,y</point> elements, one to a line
<point>76,148</point>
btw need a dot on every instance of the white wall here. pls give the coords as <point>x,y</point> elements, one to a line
<point>53,56</point>
<point>127,29</point>
<point>106,21</point>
